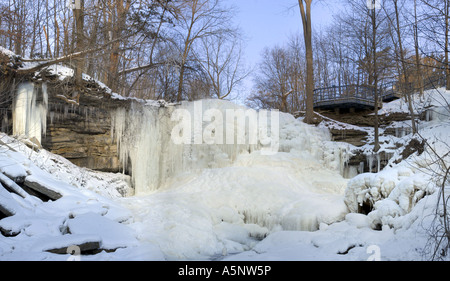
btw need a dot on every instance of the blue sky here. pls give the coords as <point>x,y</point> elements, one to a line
<point>267,23</point>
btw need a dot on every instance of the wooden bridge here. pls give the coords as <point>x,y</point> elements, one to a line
<point>353,97</point>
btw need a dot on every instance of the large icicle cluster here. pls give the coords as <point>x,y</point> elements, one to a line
<point>145,137</point>
<point>30,111</point>
<point>143,145</point>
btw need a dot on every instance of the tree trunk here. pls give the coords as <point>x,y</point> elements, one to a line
<point>416,47</point>
<point>180,84</point>
<point>187,49</point>
<point>79,23</point>
<point>116,24</point>
<point>376,147</point>
<point>446,50</point>
<point>405,88</point>
<point>307,33</point>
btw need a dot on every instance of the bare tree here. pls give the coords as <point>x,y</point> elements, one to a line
<point>436,29</point>
<point>78,10</point>
<point>305,11</point>
<point>400,55</point>
<point>198,19</point>
<point>419,75</point>
<point>223,62</point>
<point>279,82</point>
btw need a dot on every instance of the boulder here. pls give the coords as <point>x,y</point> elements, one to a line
<point>33,183</point>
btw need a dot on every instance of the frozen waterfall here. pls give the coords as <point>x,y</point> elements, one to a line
<point>158,143</point>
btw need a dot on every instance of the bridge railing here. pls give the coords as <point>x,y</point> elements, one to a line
<point>365,94</point>
<point>342,93</point>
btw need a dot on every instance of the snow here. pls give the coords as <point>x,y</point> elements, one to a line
<point>200,201</point>
<point>232,207</point>
<point>113,235</point>
<point>61,71</point>
<point>10,167</point>
<point>7,52</point>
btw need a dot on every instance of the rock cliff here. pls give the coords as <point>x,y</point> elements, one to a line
<point>78,118</point>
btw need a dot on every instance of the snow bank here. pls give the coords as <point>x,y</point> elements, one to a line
<point>229,209</point>
<point>32,227</point>
<point>391,195</point>
<point>388,194</point>
<point>7,52</point>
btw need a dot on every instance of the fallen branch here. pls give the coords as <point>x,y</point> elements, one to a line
<point>49,62</point>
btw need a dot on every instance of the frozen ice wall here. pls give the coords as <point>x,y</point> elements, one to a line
<point>143,144</point>
<point>157,143</point>
<point>30,111</point>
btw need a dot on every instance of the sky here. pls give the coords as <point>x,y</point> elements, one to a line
<point>267,23</point>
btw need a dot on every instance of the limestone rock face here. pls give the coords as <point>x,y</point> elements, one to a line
<point>81,132</point>
<point>351,136</point>
<point>78,123</point>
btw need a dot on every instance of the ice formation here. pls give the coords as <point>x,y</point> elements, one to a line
<point>387,194</point>
<point>30,111</point>
<point>158,143</point>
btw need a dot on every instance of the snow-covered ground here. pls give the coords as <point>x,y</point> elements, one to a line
<point>292,205</point>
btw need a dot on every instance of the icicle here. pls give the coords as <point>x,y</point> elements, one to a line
<point>361,168</point>
<point>43,109</point>
<point>30,111</point>
<point>370,162</point>
<point>378,162</point>
<point>52,117</point>
<point>66,111</point>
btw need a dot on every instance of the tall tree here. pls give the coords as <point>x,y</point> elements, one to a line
<point>436,28</point>
<point>280,79</point>
<point>305,11</point>
<point>78,11</point>
<point>373,17</point>
<point>404,77</point>
<point>198,19</point>
<point>419,75</point>
<point>223,63</point>
<point>116,20</point>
